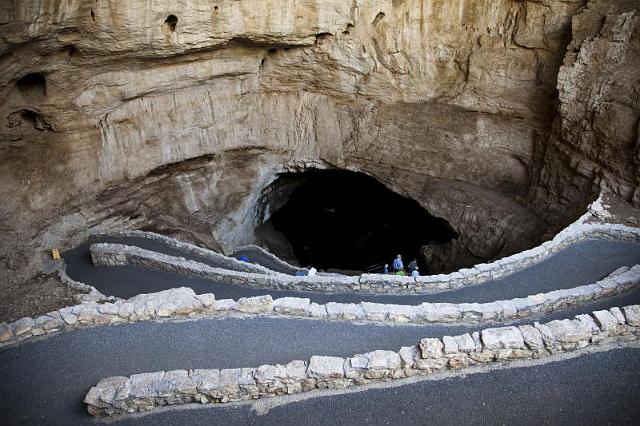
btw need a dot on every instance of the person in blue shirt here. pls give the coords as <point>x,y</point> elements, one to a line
<point>397,263</point>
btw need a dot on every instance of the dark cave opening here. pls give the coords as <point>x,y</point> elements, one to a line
<point>338,219</point>
<point>171,22</point>
<point>33,86</point>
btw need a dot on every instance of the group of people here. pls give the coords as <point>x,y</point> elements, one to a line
<point>398,267</point>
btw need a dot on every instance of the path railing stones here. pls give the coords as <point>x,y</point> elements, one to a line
<point>106,254</point>
<point>220,260</point>
<point>115,396</point>
<point>88,293</point>
<point>291,269</point>
<point>117,254</point>
<point>182,302</point>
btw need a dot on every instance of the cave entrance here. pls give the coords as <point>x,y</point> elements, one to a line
<point>343,220</point>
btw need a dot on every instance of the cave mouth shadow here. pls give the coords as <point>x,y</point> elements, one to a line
<point>344,220</point>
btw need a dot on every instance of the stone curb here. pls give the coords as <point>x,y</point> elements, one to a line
<point>109,254</point>
<point>179,303</point>
<point>273,258</point>
<point>91,294</point>
<point>225,262</point>
<point>116,396</point>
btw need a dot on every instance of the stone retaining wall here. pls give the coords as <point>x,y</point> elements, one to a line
<point>116,254</point>
<point>184,303</point>
<point>106,254</point>
<point>225,262</point>
<point>115,396</point>
<point>284,265</point>
<point>91,294</point>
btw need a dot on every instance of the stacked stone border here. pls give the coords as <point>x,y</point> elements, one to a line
<point>284,265</point>
<point>223,262</point>
<point>115,396</point>
<point>181,303</point>
<point>118,254</point>
<point>88,293</point>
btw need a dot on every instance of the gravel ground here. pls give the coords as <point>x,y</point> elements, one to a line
<point>42,294</point>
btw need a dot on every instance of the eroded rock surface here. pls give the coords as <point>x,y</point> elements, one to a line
<point>176,115</point>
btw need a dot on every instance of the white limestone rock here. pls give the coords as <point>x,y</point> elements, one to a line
<point>22,326</point>
<point>532,337</point>
<point>107,390</point>
<point>208,299</point>
<point>502,338</point>
<point>347,311</point>
<point>70,318</point>
<point>225,305</point>
<point>588,322</point>
<point>326,367</point>
<point>403,313</point>
<point>374,311</point>
<point>296,369</point>
<point>206,381</point>
<point>431,348</point>
<point>269,373</point>
<point>436,312</point>
<point>617,313</point>
<point>109,308</point>
<point>292,306</point>
<point>450,345</point>
<point>465,343</point>
<point>86,312</point>
<point>548,337</point>
<point>385,360</point>
<point>632,314</point>
<point>317,311</point>
<point>606,321</point>
<point>255,305</point>
<point>5,333</point>
<point>181,301</point>
<point>147,385</point>
<point>408,355</point>
<point>569,331</point>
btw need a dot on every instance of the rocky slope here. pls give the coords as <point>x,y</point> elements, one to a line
<point>502,117</point>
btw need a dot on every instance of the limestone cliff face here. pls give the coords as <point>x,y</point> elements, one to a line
<point>177,114</point>
<point>595,139</point>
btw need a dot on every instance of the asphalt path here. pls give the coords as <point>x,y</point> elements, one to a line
<point>580,264</point>
<point>44,381</point>
<point>594,389</point>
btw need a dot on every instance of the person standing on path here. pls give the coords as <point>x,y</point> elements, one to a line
<point>397,263</point>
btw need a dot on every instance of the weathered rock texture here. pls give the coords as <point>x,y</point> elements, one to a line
<point>176,115</point>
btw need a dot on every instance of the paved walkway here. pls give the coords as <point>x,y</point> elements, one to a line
<point>596,389</point>
<point>580,264</point>
<point>44,381</point>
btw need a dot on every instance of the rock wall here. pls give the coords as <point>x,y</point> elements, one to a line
<point>175,115</point>
<point>595,139</point>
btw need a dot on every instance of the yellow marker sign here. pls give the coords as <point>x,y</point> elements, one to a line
<point>55,254</point>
